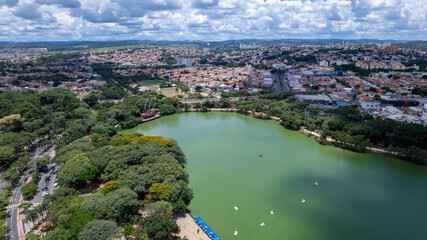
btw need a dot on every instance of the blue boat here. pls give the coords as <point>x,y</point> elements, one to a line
<point>206,228</point>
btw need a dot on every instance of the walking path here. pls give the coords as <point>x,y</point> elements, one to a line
<point>189,228</point>
<point>369,149</point>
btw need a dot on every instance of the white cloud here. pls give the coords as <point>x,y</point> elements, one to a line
<point>211,19</point>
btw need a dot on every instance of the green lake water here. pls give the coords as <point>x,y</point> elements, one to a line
<point>359,196</point>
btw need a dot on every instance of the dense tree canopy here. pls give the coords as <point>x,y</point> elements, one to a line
<point>160,228</point>
<point>137,172</point>
<point>100,230</point>
<point>77,171</point>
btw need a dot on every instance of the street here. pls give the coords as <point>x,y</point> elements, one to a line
<point>13,218</point>
<point>280,85</point>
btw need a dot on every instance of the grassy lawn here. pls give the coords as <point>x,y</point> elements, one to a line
<point>149,85</point>
<point>149,82</point>
<point>171,92</point>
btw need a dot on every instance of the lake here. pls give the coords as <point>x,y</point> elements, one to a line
<point>359,196</point>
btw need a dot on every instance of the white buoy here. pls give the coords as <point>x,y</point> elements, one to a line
<point>303,200</point>
<point>235,233</point>
<point>316,183</point>
<point>262,224</point>
<point>236,208</point>
<point>271,212</point>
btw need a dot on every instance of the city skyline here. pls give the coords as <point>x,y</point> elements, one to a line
<point>210,20</point>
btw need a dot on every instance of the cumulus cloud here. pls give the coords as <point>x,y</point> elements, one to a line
<point>211,19</point>
<point>104,11</point>
<point>28,11</point>
<point>62,3</point>
<point>9,3</point>
<point>204,3</point>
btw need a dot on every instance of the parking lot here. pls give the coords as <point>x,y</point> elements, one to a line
<point>47,182</point>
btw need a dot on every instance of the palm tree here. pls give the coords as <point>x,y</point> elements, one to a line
<point>25,220</point>
<point>35,214</point>
<point>39,211</point>
<point>28,218</point>
<point>33,217</point>
<point>43,208</point>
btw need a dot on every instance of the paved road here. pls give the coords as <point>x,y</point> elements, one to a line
<point>13,219</point>
<point>280,83</point>
<point>13,213</point>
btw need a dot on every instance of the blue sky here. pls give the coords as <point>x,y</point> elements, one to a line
<point>209,20</point>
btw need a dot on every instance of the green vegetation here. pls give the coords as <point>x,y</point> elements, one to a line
<point>131,182</point>
<point>100,230</point>
<point>128,164</point>
<point>160,228</point>
<point>346,125</point>
<point>30,189</point>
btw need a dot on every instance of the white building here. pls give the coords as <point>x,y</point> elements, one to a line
<point>185,61</point>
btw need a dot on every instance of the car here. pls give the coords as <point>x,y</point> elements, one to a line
<point>55,184</point>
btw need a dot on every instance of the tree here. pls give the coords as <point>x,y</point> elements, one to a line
<point>3,228</point>
<point>179,206</point>
<point>123,203</point>
<point>147,139</point>
<point>29,190</point>
<point>59,99</point>
<point>77,171</point>
<point>91,99</point>
<point>31,236</point>
<point>74,132</point>
<point>6,154</point>
<point>100,230</point>
<point>225,103</point>
<point>81,113</point>
<point>41,162</point>
<point>3,202</point>
<point>58,234</point>
<point>160,228</point>
<point>14,122</point>
<point>109,186</point>
<point>161,208</point>
<point>159,191</point>
<point>174,101</point>
<point>127,230</point>
<point>293,122</point>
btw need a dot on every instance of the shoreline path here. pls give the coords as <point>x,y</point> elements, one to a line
<point>189,228</point>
